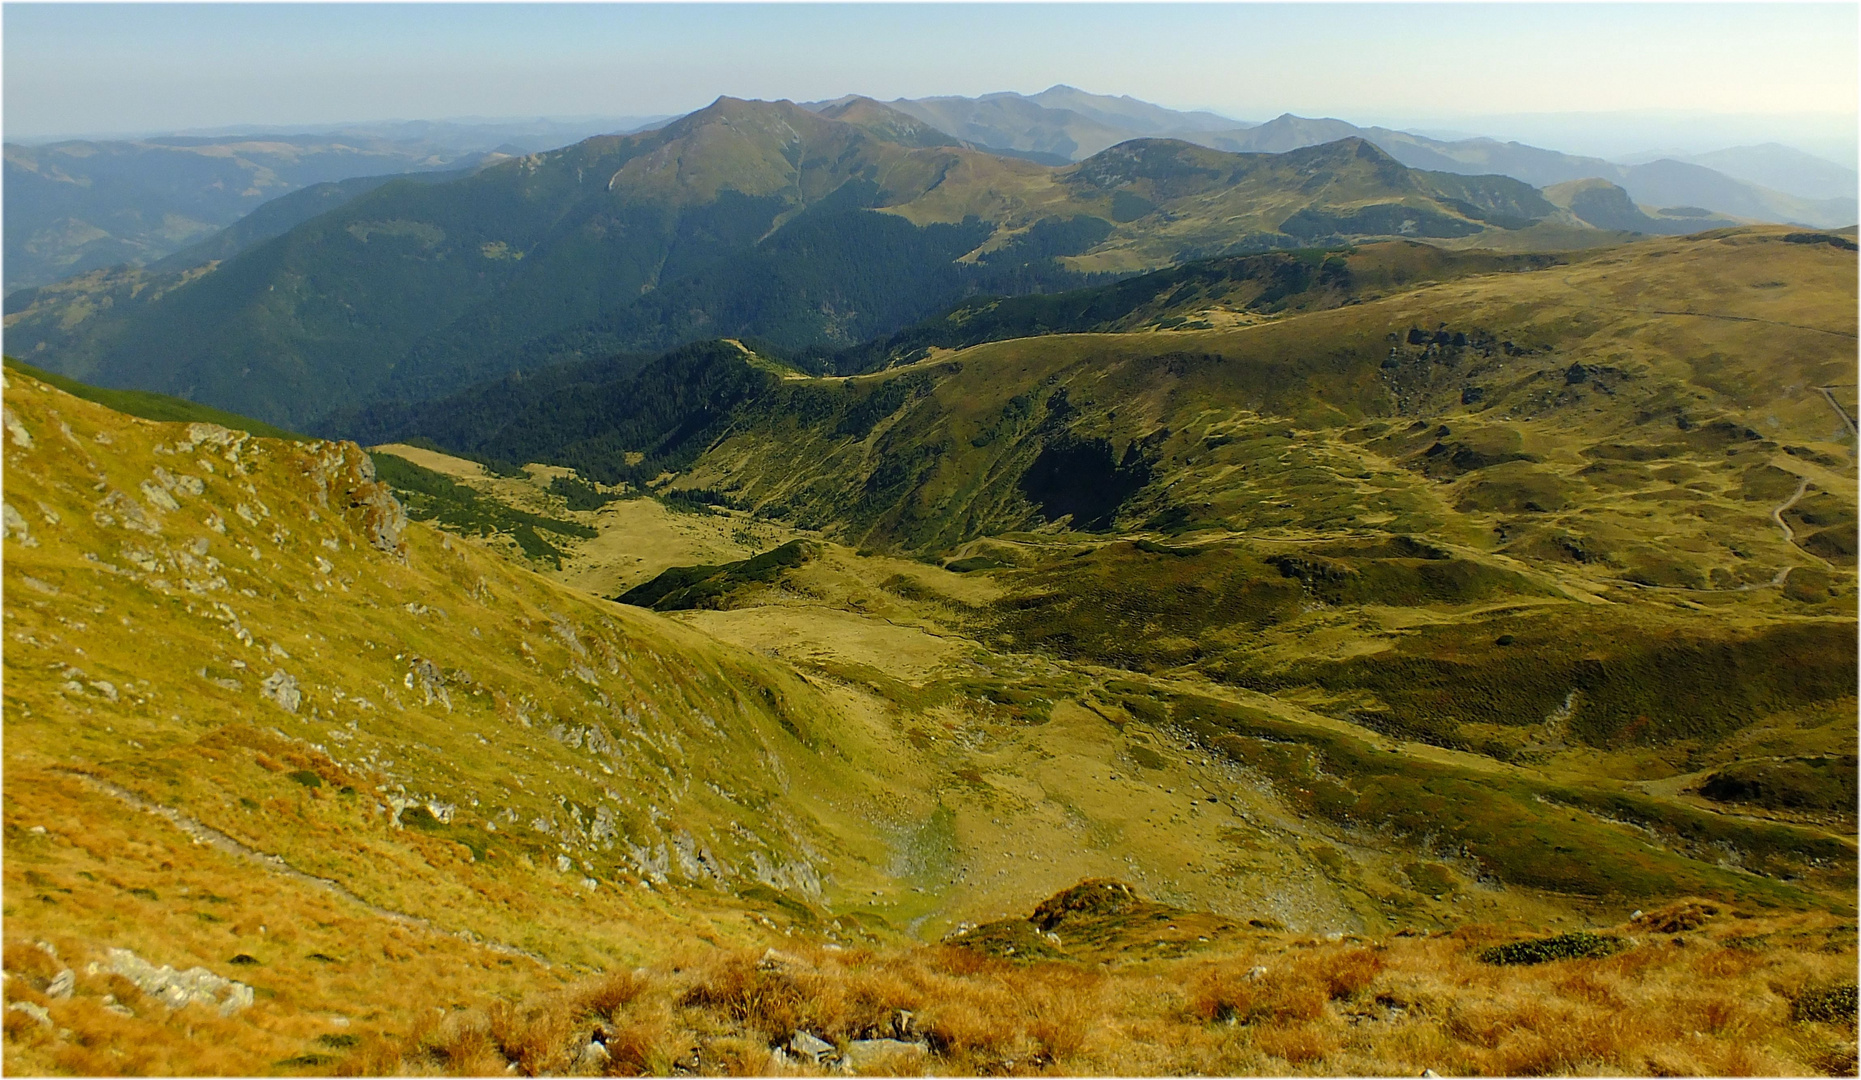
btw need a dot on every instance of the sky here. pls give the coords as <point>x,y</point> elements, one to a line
<point>1491,68</point>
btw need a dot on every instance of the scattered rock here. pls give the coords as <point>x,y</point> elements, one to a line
<point>776,960</point>
<point>37,1012</point>
<point>427,678</point>
<point>157,497</point>
<point>809,1048</point>
<point>16,526</point>
<point>593,1058</point>
<point>21,437</point>
<point>59,989</point>
<point>282,689</point>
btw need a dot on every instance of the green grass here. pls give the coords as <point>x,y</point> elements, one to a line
<point>1631,680</point>
<point>684,587</point>
<point>432,496</point>
<point>153,406</point>
<point>1525,832</point>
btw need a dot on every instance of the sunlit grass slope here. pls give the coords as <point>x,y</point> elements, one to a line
<point>237,632</point>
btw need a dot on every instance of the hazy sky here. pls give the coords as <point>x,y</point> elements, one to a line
<point>98,68</point>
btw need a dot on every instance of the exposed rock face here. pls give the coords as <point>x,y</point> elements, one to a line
<point>178,989</point>
<point>345,479</point>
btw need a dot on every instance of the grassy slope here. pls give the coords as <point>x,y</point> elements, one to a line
<point>971,785</point>
<point>157,598</point>
<point>151,406</point>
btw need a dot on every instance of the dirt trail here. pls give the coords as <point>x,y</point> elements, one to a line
<point>1847,421</point>
<point>1789,535</point>
<point>202,834</point>
<point>1744,318</point>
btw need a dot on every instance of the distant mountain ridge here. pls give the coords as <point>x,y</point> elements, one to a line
<point>744,219</point>
<point>77,205</point>
<point>1772,165</point>
<point>1063,121</point>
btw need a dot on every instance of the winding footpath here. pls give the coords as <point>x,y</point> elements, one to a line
<point>203,834</point>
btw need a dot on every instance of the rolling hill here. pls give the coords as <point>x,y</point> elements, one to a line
<point>1438,659</point>
<point>1579,422</point>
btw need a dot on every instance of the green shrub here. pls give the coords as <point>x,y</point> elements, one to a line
<point>1826,1004</point>
<point>1577,945</point>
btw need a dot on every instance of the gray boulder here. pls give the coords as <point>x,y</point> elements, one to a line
<point>281,688</point>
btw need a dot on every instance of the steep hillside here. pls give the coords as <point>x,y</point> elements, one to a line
<point>746,219</point>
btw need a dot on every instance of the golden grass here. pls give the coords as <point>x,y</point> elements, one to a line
<point>1701,1001</point>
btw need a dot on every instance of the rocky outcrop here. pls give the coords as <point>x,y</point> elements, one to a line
<point>426,677</point>
<point>281,689</point>
<point>179,989</point>
<point>344,476</point>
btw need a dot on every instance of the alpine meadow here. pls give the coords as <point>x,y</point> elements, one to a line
<point>888,584</point>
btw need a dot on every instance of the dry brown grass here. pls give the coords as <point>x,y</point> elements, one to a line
<point>1700,1001</point>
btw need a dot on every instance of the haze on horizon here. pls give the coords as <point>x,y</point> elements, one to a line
<point>1701,74</point>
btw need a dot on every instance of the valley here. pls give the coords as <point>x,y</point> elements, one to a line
<point>1340,654</point>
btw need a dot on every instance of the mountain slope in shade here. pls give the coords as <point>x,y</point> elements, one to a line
<point>78,206</point>
<point>757,219</point>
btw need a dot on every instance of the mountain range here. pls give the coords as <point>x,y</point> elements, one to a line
<point>152,197</point>
<point>809,590</point>
<point>1066,123</point>
<point>759,219</point>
